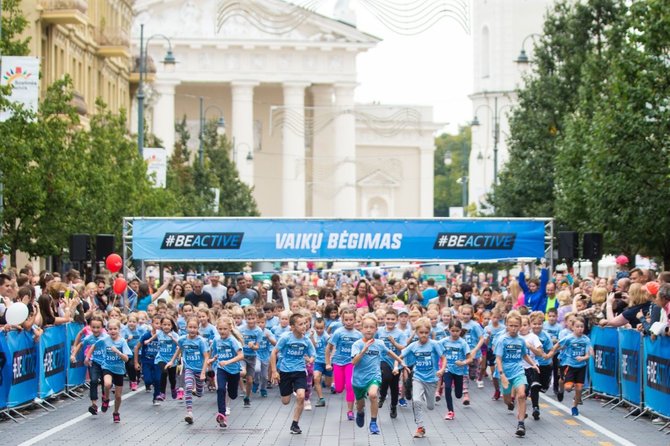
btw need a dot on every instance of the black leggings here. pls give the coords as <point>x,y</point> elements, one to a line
<point>389,379</point>
<point>449,378</point>
<point>133,374</point>
<point>168,373</point>
<point>533,387</point>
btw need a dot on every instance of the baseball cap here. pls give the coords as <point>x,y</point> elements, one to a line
<point>312,293</point>
<point>621,260</point>
<point>245,302</point>
<point>457,296</point>
<point>651,288</point>
<point>398,305</point>
<point>403,310</point>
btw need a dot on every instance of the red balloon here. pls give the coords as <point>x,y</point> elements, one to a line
<point>120,285</point>
<point>114,262</point>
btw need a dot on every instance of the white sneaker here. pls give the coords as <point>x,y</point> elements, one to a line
<point>227,411</point>
<point>480,384</point>
<point>308,405</point>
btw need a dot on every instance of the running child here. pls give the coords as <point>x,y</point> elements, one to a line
<point>145,354</point>
<point>116,351</point>
<point>394,340</point>
<point>510,351</point>
<point>578,350</point>
<point>227,354</point>
<point>319,339</point>
<point>131,333</point>
<point>252,337</point>
<point>366,358</point>
<point>456,358</point>
<point>93,362</point>
<point>535,351</point>
<point>474,334</point>
<point>425,355</point>
<point>194,352</point>
<point>545,361</point>
<point>494,328</point>
<point>167,345</point>
<point>264,349</point>
<point>338,357</point>
<point>288,362</point>
<point>553,328</point>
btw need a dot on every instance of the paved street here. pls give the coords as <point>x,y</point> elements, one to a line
<point>267,422</point>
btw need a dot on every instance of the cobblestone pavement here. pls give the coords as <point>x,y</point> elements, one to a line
<point>267,421</point>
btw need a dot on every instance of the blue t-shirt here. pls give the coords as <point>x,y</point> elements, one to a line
<point>167,345</point>
<point>491,332</point>
<point>428,294</point>
<point>320,347</point>
<point>473,334</point>
<point>208,333</point>
<point>565,332</point>
<point>330,322</point>
<point>271,322</point>
<point>368,369</point>
<point>455,351</point>
<point>132,337</point>
<point>278,330</point>
<point>438,333</point>
<point>99,353</point>
<point>334,326</point>
<point>511,351</point>
<point>113,362</point>
<point>342,340</point>
<point>181,324</point>
<point>265,346</point>
<point>425,358</point>
<point>254,335</point>
<point>149,351</point>
<point>545,339</point>
<point>552,330</point>
<point>292,351</point>
<point>224,349</point>
<point>575,347</point>
<point>193,352</point>
<point>383,335</point>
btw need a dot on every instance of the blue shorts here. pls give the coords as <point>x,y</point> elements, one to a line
<point>517,381</point>
<point>321,367</point>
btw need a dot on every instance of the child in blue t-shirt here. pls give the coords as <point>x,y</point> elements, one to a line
<point>577,351</point>
<point>167,345</point>
<point>96,360</point>
<point>395,340</point>
<point>226,353</point>
<point>145,359</point>
<point>456,351</point>
<point>366,357</point>
<point>132,333</point>
<point>424,355</point>
<point>491,331</point>
<point>319,339</point>
<point>552,328</point>
<point>194,351</point>
<point>510,351</point>
<point>338,357</point>
<point>263,355</point>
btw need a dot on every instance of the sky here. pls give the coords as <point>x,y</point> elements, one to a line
<point>432,68</point>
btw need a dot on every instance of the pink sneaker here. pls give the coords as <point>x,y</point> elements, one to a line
<point>133,386</point>
<point>180,394</point>
<point>449,415</point>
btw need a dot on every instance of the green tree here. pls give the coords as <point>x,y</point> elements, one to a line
<point>447,182</point>
<point>13,25</point>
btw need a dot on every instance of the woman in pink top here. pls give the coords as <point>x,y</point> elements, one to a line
<point>363,295</point>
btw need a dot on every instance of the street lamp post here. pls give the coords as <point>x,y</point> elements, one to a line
<point>496,131</point>
<point>523,56</point>
<point>169,61</point>
<point>220,127</point>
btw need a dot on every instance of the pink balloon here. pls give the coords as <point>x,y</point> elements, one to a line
<point>114,262</point>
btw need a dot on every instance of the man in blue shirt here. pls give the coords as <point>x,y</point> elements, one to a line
<point>294,351</point>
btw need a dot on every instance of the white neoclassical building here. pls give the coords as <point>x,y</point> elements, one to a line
<point>288,103</point>
<point>501,29</point>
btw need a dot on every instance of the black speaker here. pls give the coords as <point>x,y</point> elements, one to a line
<point>104,246</point>
<point>568,245</point>
<point>80,247</point>
<point>593,245</point>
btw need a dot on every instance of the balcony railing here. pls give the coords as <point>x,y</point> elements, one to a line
<point>113,43</point>
<point>64,12</point>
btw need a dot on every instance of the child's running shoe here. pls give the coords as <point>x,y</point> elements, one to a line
<point>449,415</point>
<point>105,405</point>
<point>480,384</point>
<point>394,412</point>
<point>133,386</point>
<point>321,403</point>
<point>254,387</point>
<point>156,402</point>
<point>247,402</point>
<point>536,413</point>
<point>510,406</point>
<point>295,429</point>
<point>360,419</point>
<point>227,411</point>
<point>466,400</point>
<point>575,412</point>
<point>496,395</point>
<point>189,418</point>
<point>222,420</point>
<point>420,432</point>
<point>116,417</point>
<point>350,416</point>
<point>180,394</point>
<point>264,393</point>
<point>161,397</point>
<point>93,409</point>
<point>520,429</point>
<point>308,405</point>
<point>402,402</point>
<point>374,429</point>
<point>174,393</point>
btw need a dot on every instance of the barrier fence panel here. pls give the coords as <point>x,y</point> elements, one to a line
<point>605,361</point>
<point>53,357</point>
<point>656,366</point>
<point>5,370</point>
<point>630,366</point>
<point>76,371</point>
<point>22,351</point>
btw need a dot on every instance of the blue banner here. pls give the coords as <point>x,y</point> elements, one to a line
<point>76,371</point>
<point>630,342</point>
<point>656,365</point>
<point>53,360</point>
<point>5,370</point>
<point>222,239</point>
<point>605,361</point>
<point>24,359</point>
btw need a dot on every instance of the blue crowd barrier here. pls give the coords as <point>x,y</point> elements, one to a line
<point>5,371</point>
<point>604,364</point>
<point>53,358</point>
<point>656,366</point>
<point>76,371</point>
<point>630,343</point>
<point>23,353</point>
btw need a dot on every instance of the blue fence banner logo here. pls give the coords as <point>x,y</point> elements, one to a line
<point>5,371</point>
<point>216,239</point>
<point>76,371</point>
<point>24,356</point>
<point>604,363</point>
<point>53,358</point>
<point>657,375</point>
<point>630,369</point>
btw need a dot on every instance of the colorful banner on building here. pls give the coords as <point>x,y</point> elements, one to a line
<point>24,357</point>
<point>222,239</point>
<point>53,361</point>
<point>656,365</point>
<point>156,159</point>
<point>605,361</point>
<point>630,342</point>
<point>22,73</point>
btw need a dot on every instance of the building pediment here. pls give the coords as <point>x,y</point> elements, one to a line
<point>378,178</point>
<point>257,21</point>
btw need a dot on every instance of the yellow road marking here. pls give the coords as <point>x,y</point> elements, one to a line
<point>558,413</point>
<point>588,433</point>
<point>544,405</point>
<point>571,422</point>
<point>606,443</point>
